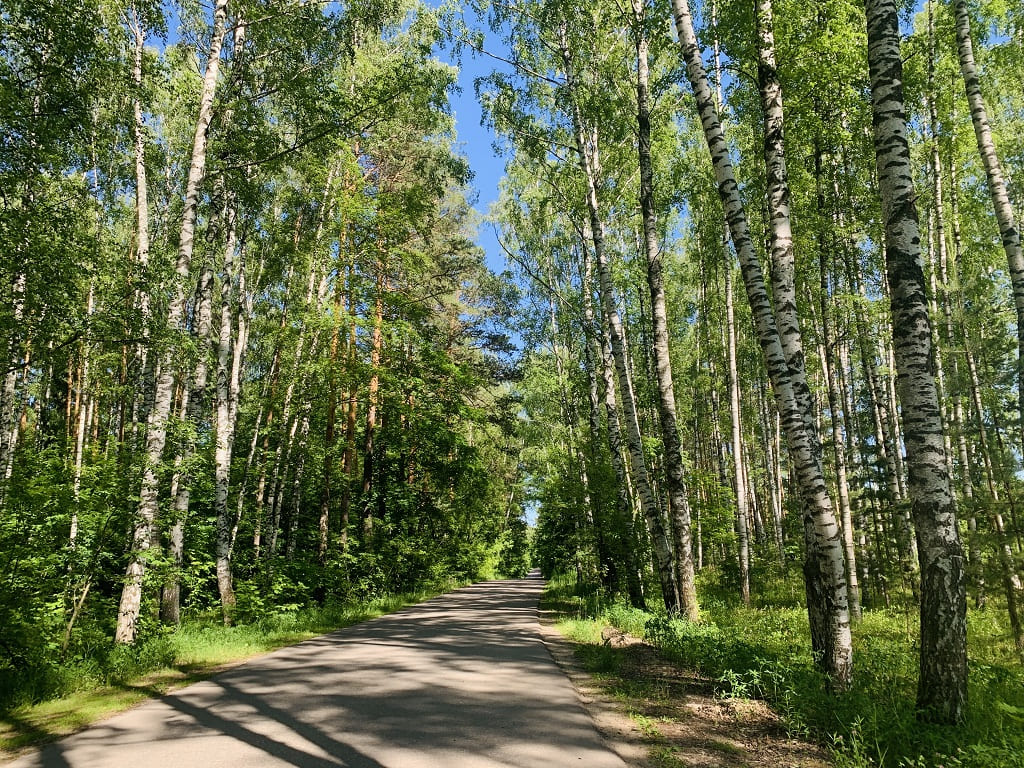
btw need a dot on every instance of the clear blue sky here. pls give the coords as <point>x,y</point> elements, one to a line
<point>475,142</point>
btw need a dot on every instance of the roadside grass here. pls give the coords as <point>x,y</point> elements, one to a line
<point>84,691</point>
<point>679,715</point>
<point>764,652</point>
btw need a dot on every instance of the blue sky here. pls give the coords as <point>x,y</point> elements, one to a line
<point>475,143</point>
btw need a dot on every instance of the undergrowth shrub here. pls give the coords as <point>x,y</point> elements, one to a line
<point>200,642</point>
<point>765,652</point>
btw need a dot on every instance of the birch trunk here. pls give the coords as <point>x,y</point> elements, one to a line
<point>332,403</point>
<point>83,383</point>
<point>825,580</point>
<point>739,476</point>
<point>599,354</point>
<point>156,423</point>
<point>606,567</point>
<point>139,407</point>
<point>825,353</point>
<point>974,545</point>
<point>634,446</point>
<point>330,436</point>
<point>296,495</point>
<point>229,354</point>
<point>838,447</point>
<point>9,394</point>
<point>349,458</point>
<point>820,556</point>
<point>1008,231</point>
<point>942,687</point>
<point>679,504</point>
<point>170,609</point>
<point>586,150</point>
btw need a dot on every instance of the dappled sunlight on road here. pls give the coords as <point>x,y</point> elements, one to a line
<point>462,680</point>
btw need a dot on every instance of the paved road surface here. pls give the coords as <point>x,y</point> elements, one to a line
<point>461,681</point>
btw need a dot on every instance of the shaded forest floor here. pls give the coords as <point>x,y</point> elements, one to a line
<point>198,650</point>
<point>657,714</point>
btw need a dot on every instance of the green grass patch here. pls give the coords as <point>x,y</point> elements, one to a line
<point>115,679</point>
<point>765,652</point>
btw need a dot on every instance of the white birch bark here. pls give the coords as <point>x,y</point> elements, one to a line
<point>9,394</point>
<point>586,150</point>
<point>942,687</point>
<point>142,296</point>
<point>296,494</point>
<point>819,555</point>
<point>838,446</point>
<point>599,354</point>
<point>229,356</point>
<point>679,504</point>
<point>156,424</point>
<point>1008,229</point>
<point>196,383</point>
<point>828,610</point>
<point>735,412</point>
<point>83,384</point>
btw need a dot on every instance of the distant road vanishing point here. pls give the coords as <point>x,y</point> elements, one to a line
<point>460,681</point>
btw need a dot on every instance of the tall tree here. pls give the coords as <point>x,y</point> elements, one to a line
<point>825,577</point>
<point>942,686</point>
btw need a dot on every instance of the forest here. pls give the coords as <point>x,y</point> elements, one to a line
<point>751,384</point>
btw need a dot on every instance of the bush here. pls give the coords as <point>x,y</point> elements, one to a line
<point>765,652</point>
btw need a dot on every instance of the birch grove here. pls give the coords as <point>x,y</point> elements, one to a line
<point>730,352</point>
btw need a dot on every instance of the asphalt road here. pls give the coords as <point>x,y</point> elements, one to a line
<point>460,681</point>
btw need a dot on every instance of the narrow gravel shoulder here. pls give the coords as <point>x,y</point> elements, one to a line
<point>460,681</point>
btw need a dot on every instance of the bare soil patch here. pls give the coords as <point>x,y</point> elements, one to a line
<point>656,714</point>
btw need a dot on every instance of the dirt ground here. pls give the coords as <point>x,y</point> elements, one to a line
<point>657,715</point>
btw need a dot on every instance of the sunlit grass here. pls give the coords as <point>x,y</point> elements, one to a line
<point>765,652</point>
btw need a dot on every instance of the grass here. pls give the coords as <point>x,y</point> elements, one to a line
<point>764,652</point>
<point>196,651</point>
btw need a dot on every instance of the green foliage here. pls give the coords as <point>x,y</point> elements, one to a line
<point>765,652</point>
<point>514,562</point>
<point>202,642</point>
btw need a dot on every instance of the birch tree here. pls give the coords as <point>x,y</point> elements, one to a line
<point>827,601</point>
<point>942,686</point>
<point>156,427</point>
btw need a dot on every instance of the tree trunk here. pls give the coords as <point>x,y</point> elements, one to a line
<point>330,436</point>
<point>599,354</point>
<point>828,368</point>
<point>349,458</point>
<point>229,353</point>
<point>371,408</point>
<point>825,579</point>
<point>586,150</point>
<point>79,455</point>
<point>8,396</point>
<point>942,687</point>
<point>170,609</point>
<point>997,188</point>
<point>679,504</point>
<point>736,414</point>
<point>140,409</point>
<point>156,425</point>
